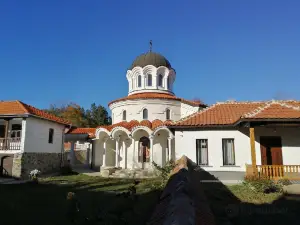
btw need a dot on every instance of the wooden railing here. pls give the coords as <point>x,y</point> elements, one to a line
<point>10,143</point>
<point>276,171</point>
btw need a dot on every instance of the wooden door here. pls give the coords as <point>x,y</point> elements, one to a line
<point>271,154</point>
<point>271,151</point>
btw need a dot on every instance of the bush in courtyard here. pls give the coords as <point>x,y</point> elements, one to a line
<point>34,175</point>
<point>284,182</point>
<point>164,172</point>
<point>262,184</point>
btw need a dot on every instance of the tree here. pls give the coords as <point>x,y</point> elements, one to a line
<point>79,117</point>
<point>97,115</point>
<point>76,115</point>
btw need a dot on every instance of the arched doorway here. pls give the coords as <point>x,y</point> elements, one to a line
<point>6,166</point>
<point>144,152</point>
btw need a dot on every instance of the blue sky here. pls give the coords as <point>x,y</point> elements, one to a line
<point>60,50</point>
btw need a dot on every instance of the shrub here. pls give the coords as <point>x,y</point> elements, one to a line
<point>284,182</point>
<point>164,173</point>
<point>262,184</point>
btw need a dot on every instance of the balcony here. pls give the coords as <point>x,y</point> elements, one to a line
<point>10,143</point>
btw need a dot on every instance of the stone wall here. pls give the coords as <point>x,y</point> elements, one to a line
<point>183,201</point>
<point>23,163</point>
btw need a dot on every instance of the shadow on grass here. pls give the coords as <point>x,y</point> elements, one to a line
<point>229,209</point>
<point>30,204</point>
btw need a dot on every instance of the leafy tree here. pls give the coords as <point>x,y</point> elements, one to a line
<point>76,115</point>
<point>79,117</point>
<point>97,115</point>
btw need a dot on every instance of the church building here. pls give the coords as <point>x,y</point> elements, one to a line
<point>152,124</point>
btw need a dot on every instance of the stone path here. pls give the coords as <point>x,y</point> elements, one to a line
<point>293,189</point>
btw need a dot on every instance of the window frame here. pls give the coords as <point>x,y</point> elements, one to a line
<point>149,80</point>
<point>124,115</point>
<point>50,136</point>
<point>145,110</point>
<point>160,80</point>
<point>168,114</point>
<point>198,151</point>
<point>139,83</point>
<point>223,151</point>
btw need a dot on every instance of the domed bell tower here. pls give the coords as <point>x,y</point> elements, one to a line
<point>151,72</point>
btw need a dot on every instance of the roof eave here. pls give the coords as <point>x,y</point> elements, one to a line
<point>13,115</point>
<point>201,126</point>
<point>268,120</point>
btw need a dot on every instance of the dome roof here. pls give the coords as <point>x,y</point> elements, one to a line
<point>151,58</point>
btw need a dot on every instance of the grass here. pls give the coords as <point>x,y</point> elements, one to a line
<point>45,203</point>
<point>239,205</point>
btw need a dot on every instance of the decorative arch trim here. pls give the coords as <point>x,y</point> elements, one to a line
<point>135,129</point>
<point>100,130</point>
<point>119,128</point>
<point>156,130</point>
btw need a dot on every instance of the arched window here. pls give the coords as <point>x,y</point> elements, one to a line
<point>160,80</point>
<point>139,81</point>
<point>124,115</point>
<point>145,114</point>
<point>168,114</point>
<point>149,79</point>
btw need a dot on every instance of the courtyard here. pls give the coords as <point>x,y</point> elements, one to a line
<point>103,201</point>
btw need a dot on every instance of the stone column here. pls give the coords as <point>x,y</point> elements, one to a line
<point>72,153</point>
<point>104,153</point>
<point>117,152</point>
<point>253,152</point>
<point>151,149</point>
<point>6,143</point>
<point>170,148</point>
<point>133,153</point>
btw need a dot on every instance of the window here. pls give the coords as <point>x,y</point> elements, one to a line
<point>228,152</point>
<point>139,81</point>
<point>168,116</point>
<point>124,115</point>
<point>201,152</point>
<point>149,80</point>
<point>16,130</point>
<point>50,138</point>
<point>2,131</point>
<point>160,80</point>
<point>145,114</point>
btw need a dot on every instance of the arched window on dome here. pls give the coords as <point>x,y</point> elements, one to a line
<point>124,115</point>
<point>160,80</point>
<point>145,114</point>
<point>149,80</point>
<point>139,81</point>
<point>168,114</point>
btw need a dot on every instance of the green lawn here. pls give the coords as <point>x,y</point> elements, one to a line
<point>238,205</point>
<point>46,203</point>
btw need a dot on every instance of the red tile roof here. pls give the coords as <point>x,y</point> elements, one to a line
<point>20,108</point>
<point>134,123</point>
<point>89,131</point>
<point>229,113</point>
<point>152,95</point>
<point>128,125</point>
